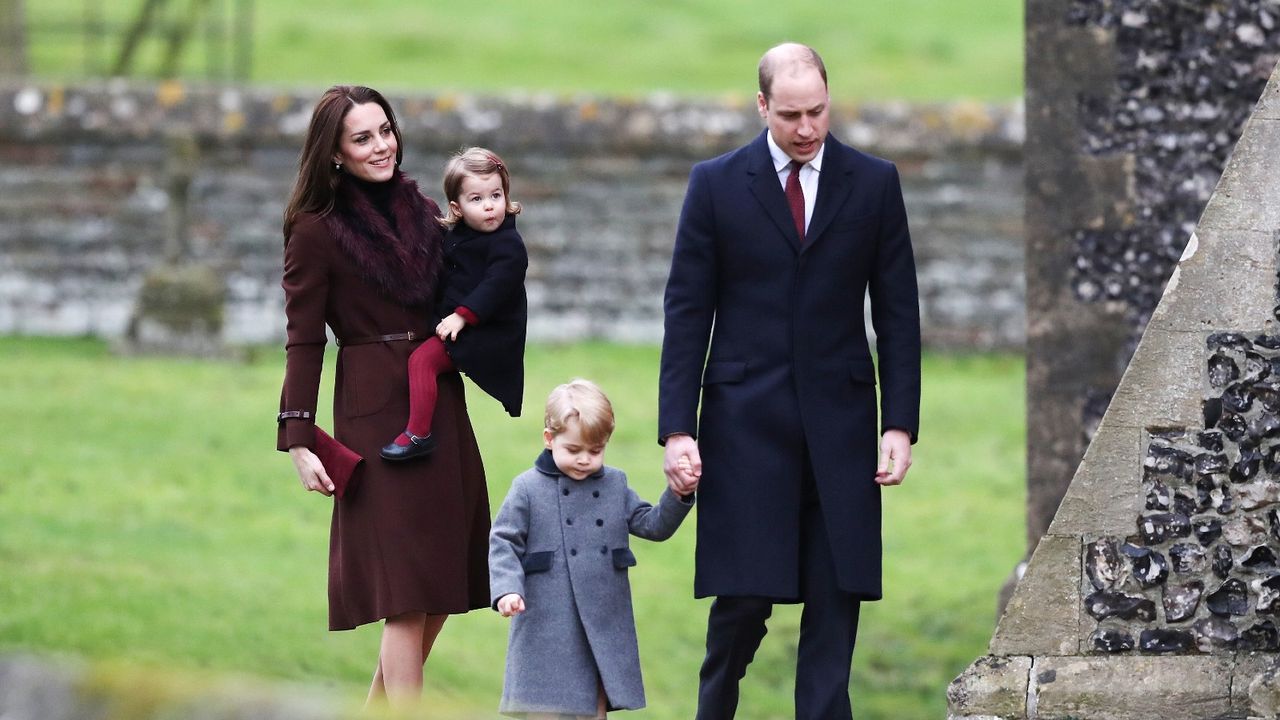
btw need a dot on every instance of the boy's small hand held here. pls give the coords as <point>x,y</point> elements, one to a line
<point>682,464</point>
<point>685,466</point>
<point>510,604</point>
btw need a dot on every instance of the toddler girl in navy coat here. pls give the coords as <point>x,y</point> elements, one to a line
<point>483,291</point>
<point>558,562</point>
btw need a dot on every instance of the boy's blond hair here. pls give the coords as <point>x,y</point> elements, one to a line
<point>584,401</point>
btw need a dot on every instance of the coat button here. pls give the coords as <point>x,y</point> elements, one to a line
<point>573,551</point>
<point>599,522</point>
<point>594,493</point>
<point>569,521</point>
<point>603,549</point>
<point>566,491</point>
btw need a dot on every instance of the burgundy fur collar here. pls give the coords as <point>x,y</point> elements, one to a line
<point>403,261</point>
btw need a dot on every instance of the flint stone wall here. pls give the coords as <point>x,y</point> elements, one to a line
<point>83,199</point>
<point>1133,108</point>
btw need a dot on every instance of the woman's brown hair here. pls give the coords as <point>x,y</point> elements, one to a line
<point>317,181</point>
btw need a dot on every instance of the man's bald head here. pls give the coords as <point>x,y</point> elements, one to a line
<point>788,58</point>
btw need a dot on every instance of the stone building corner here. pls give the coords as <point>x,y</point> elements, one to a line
<point>1156,591</point>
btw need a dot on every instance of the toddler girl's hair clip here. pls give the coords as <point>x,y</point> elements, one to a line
<point>496,162</point>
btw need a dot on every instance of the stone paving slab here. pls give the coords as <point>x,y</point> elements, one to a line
<point>1130,688</point>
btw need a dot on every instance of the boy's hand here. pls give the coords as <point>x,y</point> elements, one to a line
<point>680,447</point>
<point>510,604</point>
<point>448,328</point>
<point>685,466</point>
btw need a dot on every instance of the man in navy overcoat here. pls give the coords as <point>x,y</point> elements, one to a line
<point>764,326</point>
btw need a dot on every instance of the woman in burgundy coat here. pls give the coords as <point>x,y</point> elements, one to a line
<point>408,542</point>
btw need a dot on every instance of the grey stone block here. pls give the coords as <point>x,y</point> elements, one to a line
<point>993,686</point>
<point>1130,688</point>
<point>1226,281</point>
<point>1163,385</point>
<point>31,689</point>
<point>1105,496</point>
<point>1043,616</point>
<point>35,688</point>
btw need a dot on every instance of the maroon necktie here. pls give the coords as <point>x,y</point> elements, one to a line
<point>795,197</point>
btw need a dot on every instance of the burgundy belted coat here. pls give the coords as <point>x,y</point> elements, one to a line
<point>408,536</point>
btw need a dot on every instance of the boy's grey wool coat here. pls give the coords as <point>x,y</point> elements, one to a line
<point>562,545</point>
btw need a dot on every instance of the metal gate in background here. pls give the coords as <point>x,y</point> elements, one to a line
<point>205,39</point>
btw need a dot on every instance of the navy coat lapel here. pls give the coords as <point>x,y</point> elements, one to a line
<point>835,182</point>
<point>768,191</point>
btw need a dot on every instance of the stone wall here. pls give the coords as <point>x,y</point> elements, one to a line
<point>83,199</point>
<point>1154,593</point>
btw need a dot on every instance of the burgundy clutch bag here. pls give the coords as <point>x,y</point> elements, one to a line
<point>339,462</point>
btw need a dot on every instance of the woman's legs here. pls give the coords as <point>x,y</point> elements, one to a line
<point>406,643</point>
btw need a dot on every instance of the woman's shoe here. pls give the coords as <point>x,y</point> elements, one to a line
<point>419,446</point>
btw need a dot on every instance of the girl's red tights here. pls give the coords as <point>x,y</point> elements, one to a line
<point>427,362</point>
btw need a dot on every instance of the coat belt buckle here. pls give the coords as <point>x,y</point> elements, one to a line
<point>411,336</point>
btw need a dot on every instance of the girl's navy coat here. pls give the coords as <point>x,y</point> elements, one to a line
<point>485,273</point>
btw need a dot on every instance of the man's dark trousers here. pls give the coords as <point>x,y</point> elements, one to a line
<point>828,629</point>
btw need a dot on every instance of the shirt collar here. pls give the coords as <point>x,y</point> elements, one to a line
<point>781,159</point>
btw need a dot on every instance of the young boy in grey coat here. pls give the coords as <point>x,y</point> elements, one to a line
<point>558,559</point>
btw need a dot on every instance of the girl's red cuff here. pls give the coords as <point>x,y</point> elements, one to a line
<point>467,315</point>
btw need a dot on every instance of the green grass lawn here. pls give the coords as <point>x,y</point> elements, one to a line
<point>145,517</point>
<point>910,49</point>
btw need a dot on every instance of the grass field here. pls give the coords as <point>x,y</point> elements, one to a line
<point>146,518</point>
<point>910,49</point>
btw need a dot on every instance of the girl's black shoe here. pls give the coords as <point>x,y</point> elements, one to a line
<point>419,446</point>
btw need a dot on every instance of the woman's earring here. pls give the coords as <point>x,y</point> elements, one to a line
<point>337,166</point>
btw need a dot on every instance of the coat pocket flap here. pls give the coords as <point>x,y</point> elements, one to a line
<point>623,558</point>
<point>724,372</point>
<point>537,562</point>
<point>862,371</point>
